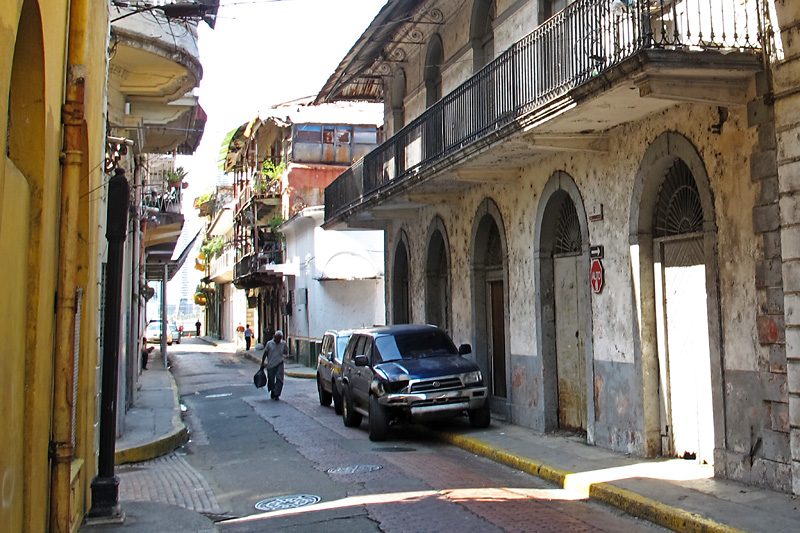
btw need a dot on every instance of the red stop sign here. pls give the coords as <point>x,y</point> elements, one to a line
<point>596,276</point>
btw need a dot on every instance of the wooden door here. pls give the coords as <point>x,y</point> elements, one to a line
<point>497,330</point>
<point>685,351</point>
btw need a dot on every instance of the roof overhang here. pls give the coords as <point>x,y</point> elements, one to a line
<point>353,79</point>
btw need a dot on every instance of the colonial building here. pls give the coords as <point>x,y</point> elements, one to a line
<point>599,196</point>
<point>280,165</point>
<point>62,136</point>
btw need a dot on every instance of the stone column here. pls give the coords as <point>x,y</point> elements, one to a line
<point>786,90</point>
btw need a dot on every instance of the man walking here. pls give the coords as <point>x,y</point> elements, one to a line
<point>274,353</point>
<point>248,337</point>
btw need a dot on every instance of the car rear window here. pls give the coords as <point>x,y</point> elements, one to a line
<point>416,345</point>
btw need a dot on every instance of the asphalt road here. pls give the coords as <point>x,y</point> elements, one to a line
<point>250,449</point>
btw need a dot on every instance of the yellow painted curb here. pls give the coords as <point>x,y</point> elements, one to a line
<point>152,450</point>
<point>656,512</point>
<point>625,500</point>
<point>299,375</point>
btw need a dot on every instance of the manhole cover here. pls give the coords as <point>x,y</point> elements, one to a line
<point>287,502</point>
<point>394,449</point>
<point>354,469</point>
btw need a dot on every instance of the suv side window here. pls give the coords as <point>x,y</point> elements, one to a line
<point>360,346</point>
<point>369,353</point>
<point>326,346</point>
<point>351,346</point>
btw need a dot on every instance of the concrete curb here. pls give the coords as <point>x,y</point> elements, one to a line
<point>177,437</point>
<point>625,500</point>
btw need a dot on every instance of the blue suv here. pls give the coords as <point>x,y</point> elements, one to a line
<point>409,372</point>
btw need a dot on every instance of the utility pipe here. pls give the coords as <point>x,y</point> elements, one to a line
<point>73,119</point>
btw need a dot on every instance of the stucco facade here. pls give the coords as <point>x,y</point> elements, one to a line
<point>49,49</point>
<point>336,281</point>
<point>678,184</point>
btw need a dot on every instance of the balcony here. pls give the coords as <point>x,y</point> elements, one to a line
<point>593,66</point>
<point>220,269</point>
<point>265,194</point>
<point>259,269</point>
<point>153,68</point>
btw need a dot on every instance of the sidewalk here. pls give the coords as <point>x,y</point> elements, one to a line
<point>677,494</point>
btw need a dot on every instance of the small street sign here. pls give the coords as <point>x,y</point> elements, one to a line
<point>596,276</point>
<point>596,252</point>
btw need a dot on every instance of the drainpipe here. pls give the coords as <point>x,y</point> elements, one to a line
<point>62,445</point>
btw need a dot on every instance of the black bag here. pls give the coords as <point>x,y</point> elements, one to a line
<point>260,378</point>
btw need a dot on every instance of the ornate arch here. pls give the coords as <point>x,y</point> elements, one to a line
<point>669,152</point>
<point>560,199</point>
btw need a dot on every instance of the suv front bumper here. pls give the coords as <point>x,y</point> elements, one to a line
<point>431,404</point>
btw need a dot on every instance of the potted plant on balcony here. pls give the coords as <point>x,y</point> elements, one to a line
<point>175,178</point>
<point>269,179</point>
<point>205,203</point>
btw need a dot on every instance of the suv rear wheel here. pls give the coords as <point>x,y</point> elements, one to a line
<point>324,397</point>
<point>378,420</point>
<point>337,398</point>
<point>481,417</point>
<point>351,417</point>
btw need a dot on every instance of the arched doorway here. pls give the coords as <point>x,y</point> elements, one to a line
<point>437,277</point>
<point>20,240</point>
<point>564,306</point>
<point>401,313</point>
<point>490,282</point>
<point>675,237</point>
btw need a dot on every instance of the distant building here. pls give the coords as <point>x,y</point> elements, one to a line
<point>279,165</point>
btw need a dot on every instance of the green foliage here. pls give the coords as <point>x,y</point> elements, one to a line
<point>276,220</point>
<point>204,198</point>
<point>269,179</point>
<point>214,247</point>
<point>174,176</point>
<point>272,171</point>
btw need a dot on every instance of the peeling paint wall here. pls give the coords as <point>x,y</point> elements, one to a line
<point>607,179</point>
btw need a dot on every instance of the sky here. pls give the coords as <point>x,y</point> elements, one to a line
<point>262,53</point>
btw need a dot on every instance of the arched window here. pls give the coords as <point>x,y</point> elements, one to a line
<point>398,97</point>
<point>481,33</point>
<point>433,71</point>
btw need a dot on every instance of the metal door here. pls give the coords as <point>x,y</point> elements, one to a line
<point>570,358</point>
<point>684,355</point>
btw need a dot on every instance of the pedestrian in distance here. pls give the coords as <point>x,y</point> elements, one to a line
<point>197,327</point>
<point>239,335</point>
<point>275,352</point>
<point>248,337</point>
<point>145,352</point>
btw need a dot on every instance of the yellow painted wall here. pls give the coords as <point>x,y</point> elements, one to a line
<point>30,191</point>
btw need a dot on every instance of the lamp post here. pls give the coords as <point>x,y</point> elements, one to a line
<point>105,487</point>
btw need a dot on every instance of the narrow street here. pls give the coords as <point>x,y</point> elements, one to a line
<point>246,449</point>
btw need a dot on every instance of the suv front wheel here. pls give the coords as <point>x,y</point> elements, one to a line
<point>481,417</point>
<point>351,417</point>
<point>378,420</point>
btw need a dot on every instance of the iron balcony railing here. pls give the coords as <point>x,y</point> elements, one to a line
<point>569,49</point>
<point>257,263</point>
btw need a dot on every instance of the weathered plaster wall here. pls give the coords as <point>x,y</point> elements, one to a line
<point>607,178</point>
